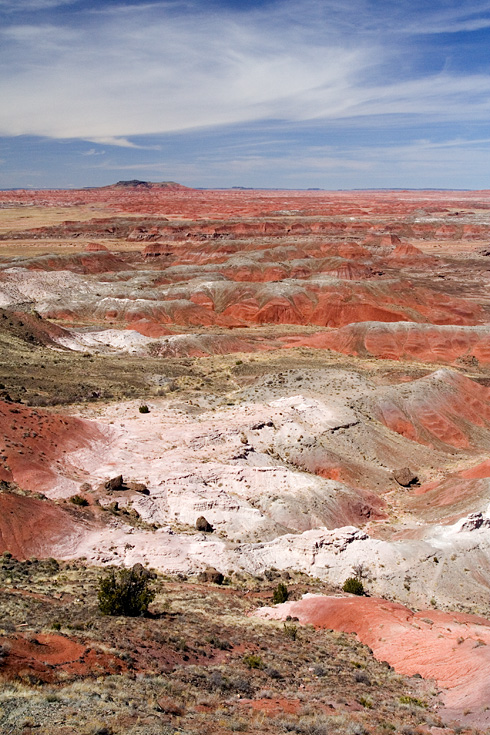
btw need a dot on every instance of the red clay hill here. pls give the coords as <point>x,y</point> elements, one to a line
<point>36,445</point>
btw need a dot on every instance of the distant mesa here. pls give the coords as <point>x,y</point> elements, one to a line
<point>136,184</point>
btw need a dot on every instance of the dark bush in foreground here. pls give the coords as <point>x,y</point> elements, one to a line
<point>127,592</point>
<point>281,594</point>
<point>354,586</point>
<point>144,409</point>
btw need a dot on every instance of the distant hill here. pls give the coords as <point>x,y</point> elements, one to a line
<point>136,184</point>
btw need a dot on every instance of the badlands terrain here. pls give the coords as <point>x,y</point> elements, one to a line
<point>308,371</point>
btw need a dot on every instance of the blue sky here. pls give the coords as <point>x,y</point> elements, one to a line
<point>315,93</point>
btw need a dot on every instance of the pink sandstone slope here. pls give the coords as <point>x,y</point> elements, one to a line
<point>443,410</point>
<point>33,527</point>
<point>407,341</point>
<point>451,648</point>
<point>35,445</point>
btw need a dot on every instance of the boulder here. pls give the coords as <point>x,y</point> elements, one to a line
<point>211,575</point>
<point>405,477</point>
<point>169,706</point>
<point>203,525</point>
<point>138,487</point>
<point>115,483</point>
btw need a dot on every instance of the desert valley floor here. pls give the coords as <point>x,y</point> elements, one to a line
<point>310,372</point>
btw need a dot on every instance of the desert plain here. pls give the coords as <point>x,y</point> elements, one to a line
<point>308,371</point>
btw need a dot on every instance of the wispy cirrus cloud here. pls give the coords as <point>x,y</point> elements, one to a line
<point>121,143</point>
<point>458,18</point>
<point>92,152</point>
<point>129,77</point>
<point>160,68</point>
<point>22,6</point>
<point>117,74</point>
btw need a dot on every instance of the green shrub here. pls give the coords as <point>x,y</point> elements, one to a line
<point>280,594</point>
<point>291,631</point>
<point>144,408</point>
<point>354,586</point>
<point>365,702</point>
<point>79,500</point>
<point>253,661</point>
<point>220,643</point>
<point>127,592</point>
<point>407,699</point>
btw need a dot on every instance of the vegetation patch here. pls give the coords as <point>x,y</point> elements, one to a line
<point>196,662</point>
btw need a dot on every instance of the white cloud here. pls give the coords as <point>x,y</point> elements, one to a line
<point>92,152</point>
<point>160,68</point>
<point>463,17</point>
<point>21,6</point>
<point>138,73</point>
<point>125,78</point>
<point>121,143</point>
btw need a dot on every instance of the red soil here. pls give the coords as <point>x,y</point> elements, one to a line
<point>47,657</point>
<point>98,261</point>
<point>96,247</point>
<point>189,203</point>
<point>273,706</point>
<point>408,254</point>
<point>458,494</point>
<point>30,327</point>
<point>275,258</point>
<point>332,304</point>
<point>149,328</point>
<point>478,472</point>
<point>33,443</point>
<point>447,501</point>
<point>32,527</point>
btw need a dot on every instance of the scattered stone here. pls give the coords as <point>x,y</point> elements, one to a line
<point>475,521</point>
<point>140,571</point>
<point>116,483</point>
<point>138,487</point>
<point>261,425</point>
<point>169,706</point>
<point>405,477</point>
<point>203,525</point>
<point>211,575</point>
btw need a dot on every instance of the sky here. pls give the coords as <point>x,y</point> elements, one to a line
<point>333,94</point>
